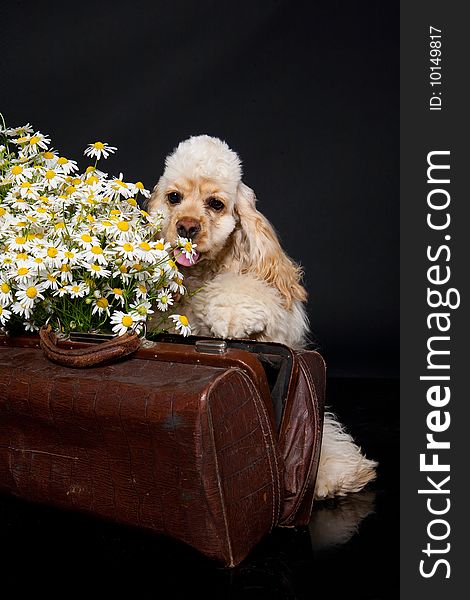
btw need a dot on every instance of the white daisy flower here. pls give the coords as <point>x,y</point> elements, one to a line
<point>30,326</point>
<point>99,149</point>
<point>6,296</point>
<point>50,159</point>
<point>22,274</point>
<point>19,173</point>
<point>124,321</point>
<point>28,190</point>
<point>100,306</point>
<point>143,309</point>
<point>120,187</point>
<point>51,282</point>
<point>4,315</point>
<point>29,293</point>
<point>176,285</point>
<point>87,241</point>
<point>19,131</point>
<point>72,256</point>
<point>54,255</point>
<point>95,253</point>
<point>20,242</point>
<point>161,247</point>
<point>122,271</point>
<point>127,250</point>
<point>141,291</point>
<point>52,179</point>
<point>164,300</point>
<point>67,166</point>
<point>32,144</point>
<point>60,291</point>
<point>140,187</point>
<point>65,272</point>
<point>117,293</point>
<point>78,289</point>
<point>181,324</point>
<point>22,309</point>
<point>97,270</point>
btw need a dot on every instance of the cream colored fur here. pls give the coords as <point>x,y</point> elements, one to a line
<point>248,286</point>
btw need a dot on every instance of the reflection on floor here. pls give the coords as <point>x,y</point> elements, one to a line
<point>350,549</point>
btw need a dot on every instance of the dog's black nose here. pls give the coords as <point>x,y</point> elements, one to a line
<point>188,228</point>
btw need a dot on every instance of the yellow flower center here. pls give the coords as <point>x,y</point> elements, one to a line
<point>64,269</point>
<point>164,299</point>
<point>60,225</point>
<point>41,210</point>
<point>20,240</point>
<point>115,211</point>
<point>5,288</point>
<point>102,303</point>
<point>96,267</point>
<point>25,185</point>
<point>2,211</point>
<point>48,155</point>
<point>62,161</point>
<point>52,278</point>
<point>98,146</point>
<point>123,226</point>
<point>172,264</point>
<point>17,170</point>
<point>144,213</point>
<point>23,271</point>
<point>159,246</point>
<point>145,246</point>
<point>50,174</point>
<point>22,256</point>
<point>127,321</point>
<point>23,139</point>
<point>183,320</point>
<point>128,247</point>
<point>97,250</point>
<point>139,185</point>
<point>31,292</point>
<point>132,201</point>
<point>91,180</point>
<point>121,183</point>
<point>52,252</point>
<point>123,269</point>
<point>38,260</point>
<point>90,169</point>
<point>188,247</point>
<point>106,223</point>
<point>34,140</point>
<point>117,291</point>
<point>142,288</point>
<point>69,254</point>
<point>70,190</point>
<point>75,288</point>
<point>137,267</point>
<point>86,238</point>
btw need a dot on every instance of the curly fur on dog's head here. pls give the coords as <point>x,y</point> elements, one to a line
<point>201,192</point>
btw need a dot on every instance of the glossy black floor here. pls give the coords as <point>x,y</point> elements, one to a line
<point>350,549</point>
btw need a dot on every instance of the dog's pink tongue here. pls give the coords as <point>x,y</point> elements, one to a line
<point>182,259</point>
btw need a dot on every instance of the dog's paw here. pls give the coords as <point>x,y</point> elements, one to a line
<point>342,468</point>
<point>233,322</point>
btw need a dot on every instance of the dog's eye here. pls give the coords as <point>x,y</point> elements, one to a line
<point>215,204</point>
<point>174,197</point>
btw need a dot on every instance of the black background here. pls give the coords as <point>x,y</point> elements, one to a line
<point>307,93</point>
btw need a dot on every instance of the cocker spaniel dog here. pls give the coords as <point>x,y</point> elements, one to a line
<point>248,286</point>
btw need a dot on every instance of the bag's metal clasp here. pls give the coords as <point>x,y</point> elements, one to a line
<point>211,346</point>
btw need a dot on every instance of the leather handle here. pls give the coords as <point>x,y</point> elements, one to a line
<point>92,355</point>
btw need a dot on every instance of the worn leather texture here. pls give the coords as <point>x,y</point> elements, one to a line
<point>170,440</point>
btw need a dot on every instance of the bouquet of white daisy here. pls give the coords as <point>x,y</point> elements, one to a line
<point>76,250</point>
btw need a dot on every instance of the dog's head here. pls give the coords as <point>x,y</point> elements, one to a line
<point>202,197</point>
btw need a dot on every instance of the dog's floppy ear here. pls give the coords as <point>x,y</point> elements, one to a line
<point>156,198</point>
<point>259,251</point>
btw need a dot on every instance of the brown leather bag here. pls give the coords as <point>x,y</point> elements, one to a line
<point>210,442</point>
